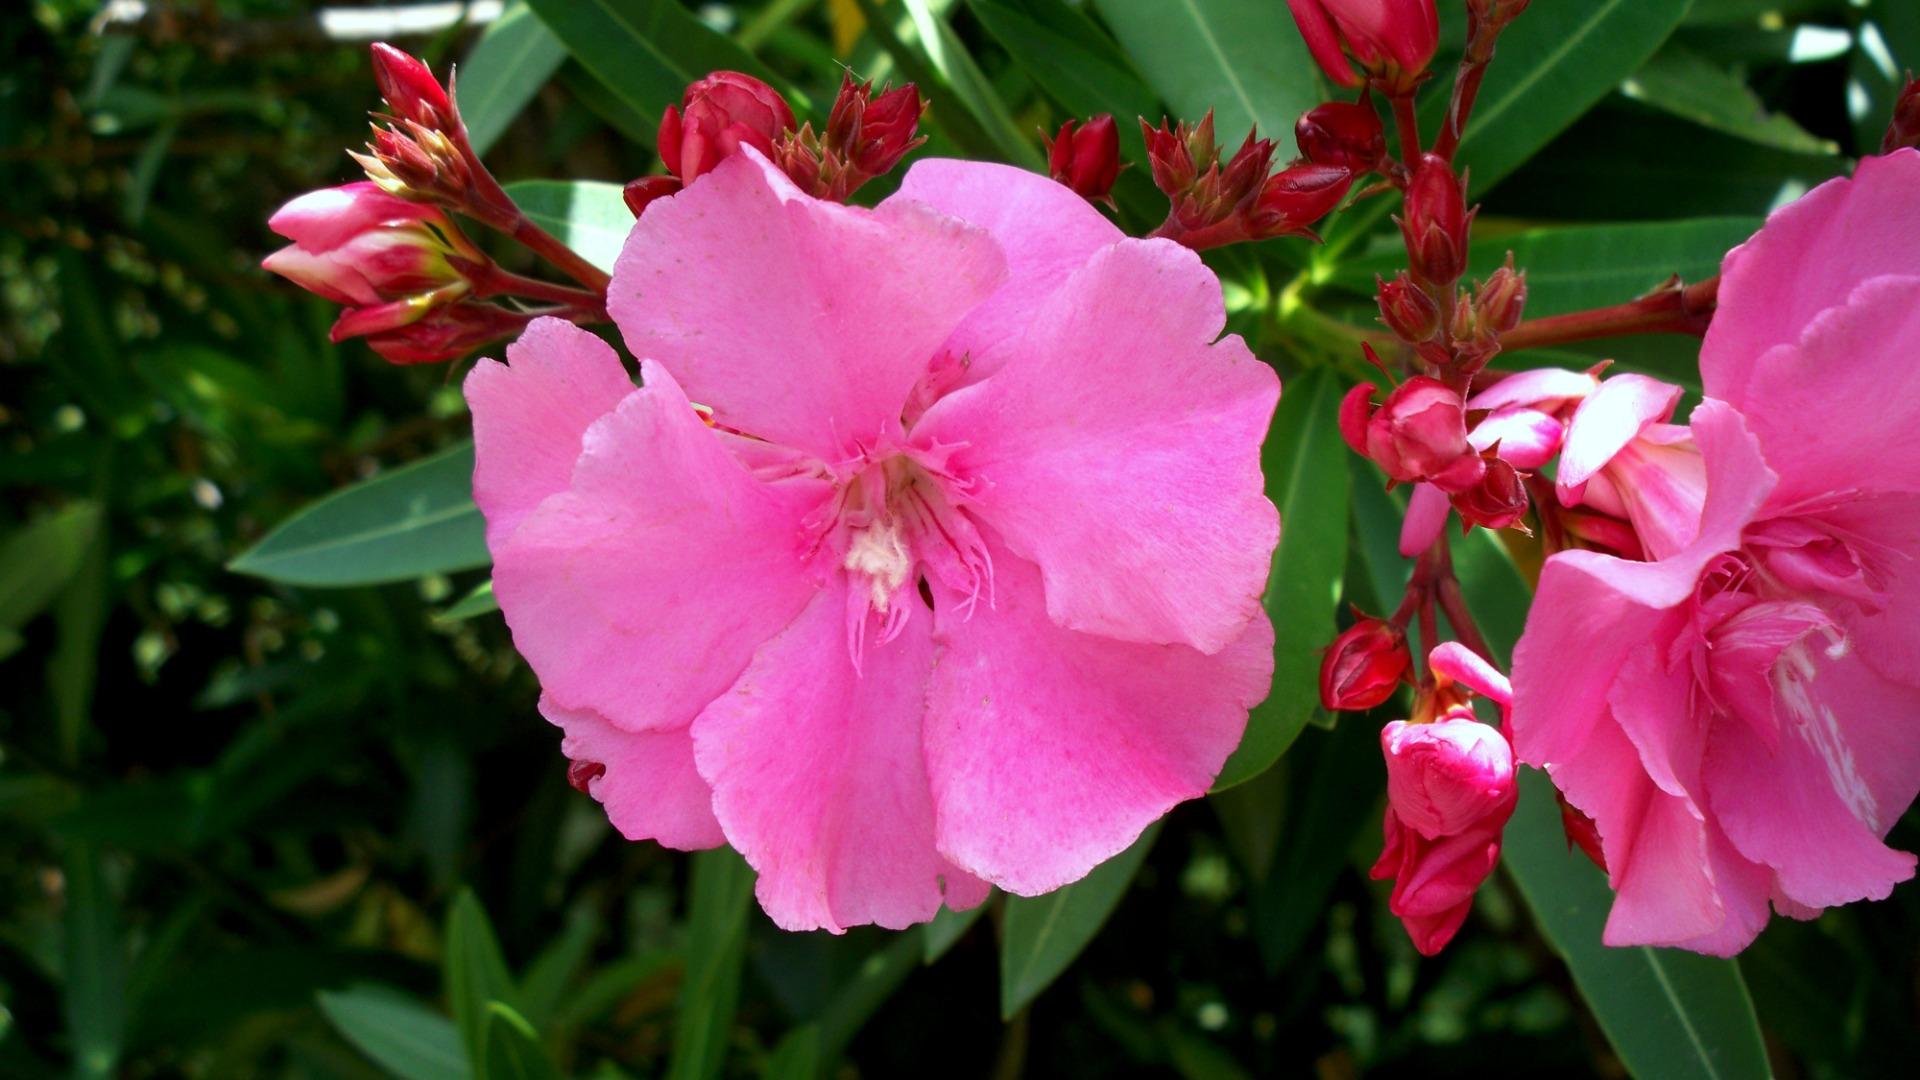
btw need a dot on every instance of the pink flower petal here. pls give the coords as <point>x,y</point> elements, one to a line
<point>528,419</point>
<point>1806,806</point>
<point>650,788</point>
<point>1045,230</point>
<point>643,590</point>
<point>320,221</point>
<point>801,322</point>
<point>1808,258</point>
<point>1427,510</point>
<point>1838,409</point>
<point>1120,451</point>
<point>819,778</point>
<point>1539,388</point>
<point>1605,423</point>
<point>1050,750</point>
<point>1471,670</point>
<point>1527,438</point>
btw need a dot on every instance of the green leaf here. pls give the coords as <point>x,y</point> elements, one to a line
<point>947,928</point>
<point>1043,934</point>
<point>589,216</point>
<point>1666,1012</point>
<point>513,1050</point>
<point>475,972</point>
<point>1331,774</point>
<point>38,560</point>
<point>480,601</point>
<point>718,899</point>
<point>96,965</point>
<point>1244,59</point>
<point>80,620</point>
<point>797,1057</point>
<point>1072,59</point>
<point>645,52</point>
<point>415,520</point>
<point>1583,266</point>
<point>852,1003</point>
<point>955,65</point>
<point>1555,62</point>
<point>1692,87</point>
<point>1304,462</point>
<point>405,1037</point>
<point>507,67</point>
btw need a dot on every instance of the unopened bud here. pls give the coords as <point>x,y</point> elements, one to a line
<point>1294,198</point>
<point>1392,41</point>
<point>888,130</point>
<point>640,194</point>
<point>1408,310</point>
<point>1497,501</point>
<point>447,332</point>
<point>1420,433</point>
<point>1581,832</point>
<point>1086,157</point>
<point>1436,222</point>
<point>409,87</point>
<point>1502,299</point>
<point>1904,130</point>
<point>1364,666</point>
<point>716,117</point>
<point>1178,155</point>
<point>1342,133</point>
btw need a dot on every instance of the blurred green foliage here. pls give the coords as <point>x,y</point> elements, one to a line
<point>259,829</point>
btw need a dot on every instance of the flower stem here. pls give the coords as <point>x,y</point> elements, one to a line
<point>548,246</point>
<point>497,282</point>
<point>1671,309</point>
<point>1408,123</point>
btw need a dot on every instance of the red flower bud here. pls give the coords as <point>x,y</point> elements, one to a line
<point>1408,310</point>
<point>1296,197</point>
<point>1497,501</point>
<point>446,332</point>
<point>1355,410</point>
<point>718,115</point>
<point>1178,156</point>
<point>640,194</point>
<point>409,87</point>
<point>1581,831</point>
<point>888,130</point>
<point>1342,133</point>
<point>1086,157</point>
<point>582,774</point>
<point>1364,666</point>
<point>1437,222</point>
<point>1392,40</point>
<point>1246,174</point>
<point>1420,433</point>
<point>1904,131</point>
<point>1502,299</point>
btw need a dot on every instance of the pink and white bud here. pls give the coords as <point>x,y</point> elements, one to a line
<point>1420,433</point>
<point>1445,776</point>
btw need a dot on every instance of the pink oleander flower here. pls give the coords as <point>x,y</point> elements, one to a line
<point>954,577</point>
<point>1737,717</point>
<point>1450,791</point>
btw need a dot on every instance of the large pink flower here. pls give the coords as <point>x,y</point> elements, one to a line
<point>953,576</point>
<point>1739,717</point>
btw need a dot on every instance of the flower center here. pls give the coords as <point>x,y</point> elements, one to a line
<point>894,524</point>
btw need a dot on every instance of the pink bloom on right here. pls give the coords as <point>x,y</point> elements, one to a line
<point>1739,717</point>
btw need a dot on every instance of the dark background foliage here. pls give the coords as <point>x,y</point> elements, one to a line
<point>252,829</point>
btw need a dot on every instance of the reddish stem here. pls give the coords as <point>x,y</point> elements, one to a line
<point>1407,122</point>
<point>491,280</point>
<point>548,246</point>
<point>1672,309</point>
